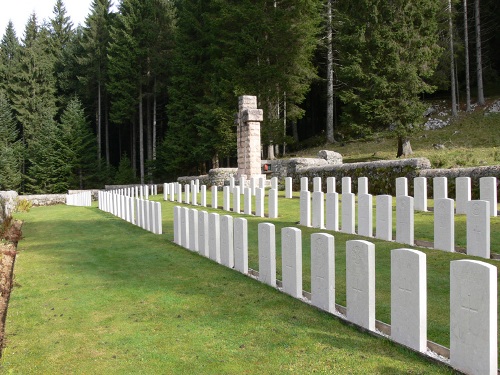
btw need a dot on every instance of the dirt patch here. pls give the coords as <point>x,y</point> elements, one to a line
<point>8,249</point>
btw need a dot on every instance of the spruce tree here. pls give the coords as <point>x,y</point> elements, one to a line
<point>387,50</point>
<point>10,148</point>
<point>9,59</point>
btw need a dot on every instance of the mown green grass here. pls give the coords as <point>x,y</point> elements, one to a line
<point>94,294</point>
<point>438,262</point>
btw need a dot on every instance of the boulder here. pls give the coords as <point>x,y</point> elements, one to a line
<point>8,200</point>
<point>331,157</point>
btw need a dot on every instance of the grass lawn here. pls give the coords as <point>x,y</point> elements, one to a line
<point>94,294</point>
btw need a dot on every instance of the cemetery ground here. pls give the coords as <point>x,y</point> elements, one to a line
<point>93,293</point>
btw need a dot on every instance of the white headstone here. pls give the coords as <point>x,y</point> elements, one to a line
<point>159,224</point>
<point>316,184</point>
<point>323,271</point>
<point>330,185</point>
<point>348,213</point>
<point>478,228</point>
<point>384,217</point>
<point>177,225</point>
<point>360,283</point>
<point>401,186</point>
<point>193,229</point>
<point>253,184</point>
<point>488,192</point>
<point>165,191</point>
<point>420,193</point>
<point>179,193</point>
<point>214,237</point>
<point>440,187</point>
<point>226,240</point>
<point>332,211</point>
<point>187,188</point>
<point>203,200</point>
<point>365,215</point>
<point>214,197</point>
<point>346,185</point>
<point>185,227</point>
<point>463,194</point>
<point>362,185</point>
<point>247,201</point>
<point>262,182</point>
<point>267,254</point>
<point>243,184</point>
<point>473,317</point>
<point>203,233</point>
<point>259,202</point>
<point>409,298</point>
<point>241,243</point>
<point>318,210</point>
<point>305,208</point>
<point>304,184</point>
<point>226,198</point>
<point>273,203</point>
<point>288,187</point>
<point>444,224</point>
<point>274,183</point>
<point>291,258</point>
<point>194,193</point>
<point>404,220</point>
<point>231,184</point>
<point>236,200</point>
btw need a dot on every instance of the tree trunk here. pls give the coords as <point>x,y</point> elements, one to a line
<point>141,138</point>
<point>466,51</point>
<point>106,128</point>
<point>270,152</point>
<point>404,147</point>
<point>452,64</point>
<point>295,132</point>
<point>215,161</point>
<point>149,127</point>
<point>154,123</point>
<point>480,93</point>
<point>133,148</point>
<point>99,123</point>
<point>329,76</point>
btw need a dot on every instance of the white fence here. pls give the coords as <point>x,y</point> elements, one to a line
<point>473,284</point>
<point>143,213</point>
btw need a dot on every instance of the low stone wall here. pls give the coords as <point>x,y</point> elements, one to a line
<point>94,192</point>
<point>475,173</point>
<point>215,177</point>
<point>44,199</point>
<point>381,174</point>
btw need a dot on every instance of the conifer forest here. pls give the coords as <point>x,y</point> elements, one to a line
<point>149,92</point>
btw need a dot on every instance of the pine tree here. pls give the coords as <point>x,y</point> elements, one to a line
<point>387,50</point>
<point>10,148</point>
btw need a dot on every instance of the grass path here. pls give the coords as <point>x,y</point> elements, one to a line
<point>94,294</point>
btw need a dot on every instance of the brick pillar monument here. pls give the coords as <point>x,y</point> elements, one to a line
<point>248,134</point>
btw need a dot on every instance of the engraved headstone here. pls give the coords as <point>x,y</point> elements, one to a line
<point>259,202</point>
<point>226,241</point>
<point>409,298</point>
<point>362,185</point>
<point>463,193</point>
<point>473,317</point>
<point>330,185</point>
<point>360,283</point>
<point>304,184</point>
<point>323,271</point>
<point>241,243</point>
<point>214,237</point>
<point>346,185</point>
<point>288,187</point>
<point>267,254</point>
<point>332,211</point>
<point>401,186</point>
<point>488,192</point>
<point>247,201</point>
<point>444,224</point>
<point>316,184</point>
<point>318,210</point>
<point>440,187</point>
<point>185,227</point>
<point>305,208</point>
<point>236,200</point>
<point>226,198</point>
<point>214,197</point>
<point>348,213</point>
<point>478,228</point>
<point>203,196</point>
<point>203,233</point>
<point>273,204</point>
<point>193,229</point>
<point>384,217</point>
<point>365,215</point>
<point>404,220</point>
<point>291,257</point>
<point>420,193</point>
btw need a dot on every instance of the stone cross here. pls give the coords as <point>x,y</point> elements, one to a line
<point>248,136</point>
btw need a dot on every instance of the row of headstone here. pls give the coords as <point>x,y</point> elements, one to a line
<point>229,194</point>
<point>139,191</point>
<point>487,191</point>
<point>82,199</point>
<point>473,285</point>
<point>222,238</point>
<point>253,183</point>
<point>313,215</point>
<point>143,213</point>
